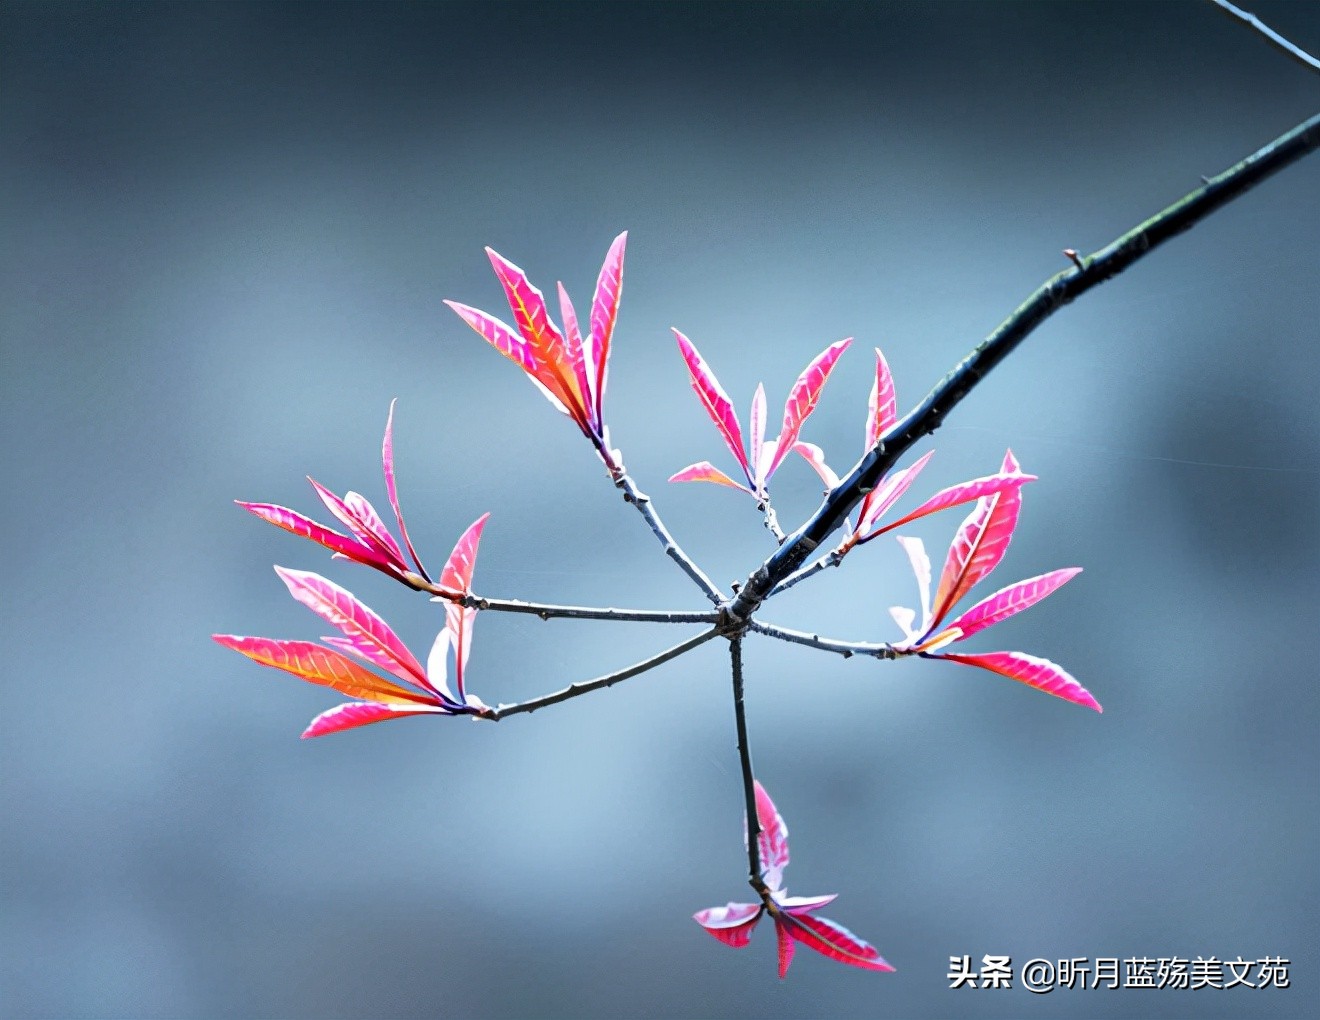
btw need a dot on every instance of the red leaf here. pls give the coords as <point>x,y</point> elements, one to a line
<point>1030,670</point>
<point>362,509</point>
<point>577,356</point>
<point>772,844</point>
<point>305,527</point>
<point>457,572</point>
<point>322,666</point>
<point>716,402</point>
<point>516,349</point>
<point>534,323</point>
<point>362,528</point>
<point>367,634</point>
<point>784,944</point>
<point>833,940</point>
<point>360,713</point>
<point>732,923</point>
<point>705,471</point>
<point>1010,601</point>
<point>803,397</point>
<point>387,464</point>
<point>963,492</point>
<point>980,543</point>
<point>877,502</point>
<point>604,314</point>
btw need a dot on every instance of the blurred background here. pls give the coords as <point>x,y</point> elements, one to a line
<point>225,234</point>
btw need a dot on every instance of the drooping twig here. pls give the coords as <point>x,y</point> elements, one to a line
<point>673,550</point>
<point>1290,48</point>
<point>748,776</point>
<point>608,680</point>
<point>845,648</point>
<point>1056,292</point>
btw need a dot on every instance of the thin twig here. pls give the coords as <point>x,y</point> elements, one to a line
<point>673,550</point>
<point>845,648</point>
<point>1273,37</point>
<point>748,776</point>
<point>608,680</point>
<point>1056,292</point>
<point>832,559</point>
<point>549,611</point>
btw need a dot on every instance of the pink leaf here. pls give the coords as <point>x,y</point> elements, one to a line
<point>305,527</point>
<point>533,321</point>
<point>815,456</point>
<point>457,572</point>
<point>361,529</point>
<point>980,543</point>
<point>834,940</point>
<point>365,632</point>
<point>715,401</point>
<point>705,471</point>
<point>916,554</point>
<point>362,509</point>
<point>578,356</point>
<point>732,923</point>
<point>772,844</point>
<point>387,465</point>
<point>1011,600</point>
<point>757,436</point>
<point>520,351</point>
<point>784,944</point>
<point>604,314</point>
<point>798,904</point>
<point>964,492</point>
<point>360,713</point>
<point>803,397</point>
<point>1030,670</point>
<point>883,405</point>
<point>877,502</point>
<point>323,666</point>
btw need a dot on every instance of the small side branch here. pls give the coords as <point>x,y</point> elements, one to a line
<point>772,521</point>
<point>546,612</point>
<point>673,550</point>
<point>845,648</point>
<point>1292,49</point>
<point>833,559</point>
<point>748,776</point>
<point>608,680</point>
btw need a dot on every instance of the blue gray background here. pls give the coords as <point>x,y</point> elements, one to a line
<point>225,234</point>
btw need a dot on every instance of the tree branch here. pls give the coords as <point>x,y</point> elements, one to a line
<point>1273,37</point>
<point>608,680</point>
<point>673,550</point>
<point>1056,292</point>
<point>845,648</point>
<point>748,776</point>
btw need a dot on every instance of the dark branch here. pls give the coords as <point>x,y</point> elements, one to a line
<point>1056,292</point>
<point>1273,37</point>
<point>748,776</point>
<point>609,680</point>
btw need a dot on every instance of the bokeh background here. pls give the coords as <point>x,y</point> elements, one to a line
<point>225,234</point>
